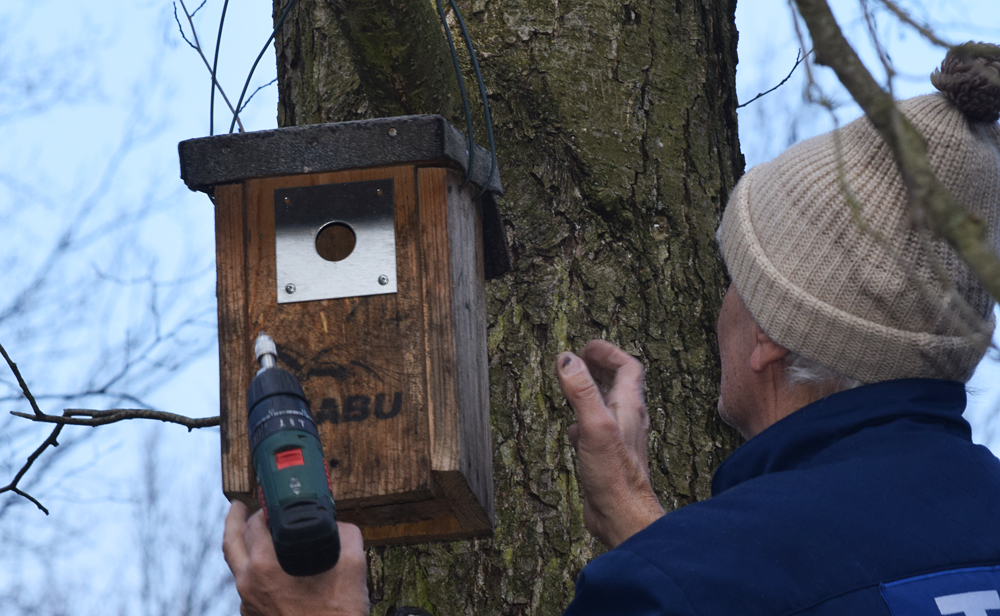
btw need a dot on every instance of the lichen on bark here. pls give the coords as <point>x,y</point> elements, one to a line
<point>616,133</point>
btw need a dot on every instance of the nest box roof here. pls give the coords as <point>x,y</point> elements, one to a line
<point>319,148</point>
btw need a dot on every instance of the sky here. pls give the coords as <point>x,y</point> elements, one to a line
<point>116,90</point>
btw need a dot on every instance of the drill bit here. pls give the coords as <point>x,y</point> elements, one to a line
<point>265,351</point>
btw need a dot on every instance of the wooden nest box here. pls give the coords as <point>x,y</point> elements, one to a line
<point>357,248</point>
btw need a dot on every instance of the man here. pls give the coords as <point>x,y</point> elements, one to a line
<point>847,498</point>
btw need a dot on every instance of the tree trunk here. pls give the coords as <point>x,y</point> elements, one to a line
<point>617,147</point>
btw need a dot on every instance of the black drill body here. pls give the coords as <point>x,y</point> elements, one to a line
<point>292,477</point>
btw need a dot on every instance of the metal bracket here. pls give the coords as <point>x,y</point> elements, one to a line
<point>300,214</point>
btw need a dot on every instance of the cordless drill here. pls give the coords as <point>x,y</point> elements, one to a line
<point>293,482</point>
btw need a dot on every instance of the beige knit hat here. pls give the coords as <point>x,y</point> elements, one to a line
<point>822,248</point>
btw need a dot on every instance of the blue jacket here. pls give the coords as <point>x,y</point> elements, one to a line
<point>873,501</point>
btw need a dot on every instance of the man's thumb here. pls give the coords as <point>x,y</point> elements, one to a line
<point>582,392</point>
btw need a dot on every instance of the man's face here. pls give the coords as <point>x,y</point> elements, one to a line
<point>737,336</point>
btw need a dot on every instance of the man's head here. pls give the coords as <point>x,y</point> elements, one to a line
<point>824,251</point>
<point>763,381</point>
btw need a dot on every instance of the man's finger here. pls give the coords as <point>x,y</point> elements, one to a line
<point>608,363</point>
<point>258,538</point>
<point>626,399</point>
<point>234,547</point>
<point>583,395</point>
<point>574,435</point>
<point>352,544</point>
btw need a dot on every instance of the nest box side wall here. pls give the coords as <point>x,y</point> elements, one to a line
<point>235,352</point>
<point>456,330</point>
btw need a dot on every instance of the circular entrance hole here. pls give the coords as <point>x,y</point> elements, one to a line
<point>335,241</point>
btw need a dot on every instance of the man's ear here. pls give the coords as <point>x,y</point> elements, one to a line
<point>765,351</point>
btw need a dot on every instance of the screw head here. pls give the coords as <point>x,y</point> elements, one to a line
<point>379,192</point>
<point>289,288</point>
<point>288,200</point>
<point>392,132</point>
<point>383,280</point>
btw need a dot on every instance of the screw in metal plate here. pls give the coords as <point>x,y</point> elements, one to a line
<point>383,280</point>
<point>392,132</point>
<point>289,288</point>
<point>288,200</point>
<point>379,192</point>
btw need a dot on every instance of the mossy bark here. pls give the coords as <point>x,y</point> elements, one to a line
<point>617,146</point>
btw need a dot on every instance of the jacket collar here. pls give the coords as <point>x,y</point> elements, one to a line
<point>794,440</point>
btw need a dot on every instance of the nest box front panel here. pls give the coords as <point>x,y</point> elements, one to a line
<point>360,359</point>
<point>397,375</point>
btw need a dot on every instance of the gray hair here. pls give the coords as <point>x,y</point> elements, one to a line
<point>802,371</point>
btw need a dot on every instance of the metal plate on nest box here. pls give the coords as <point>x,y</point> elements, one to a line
<point>335,240</point>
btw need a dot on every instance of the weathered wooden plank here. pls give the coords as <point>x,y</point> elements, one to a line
<point>468,308</point>
<point>234,351</point>
<point>438,327</point>
<point>454,514</point>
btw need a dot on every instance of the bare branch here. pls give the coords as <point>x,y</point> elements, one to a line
<point>890,71</point>
<point>181,29</point>
<point>100,418</point>
<point>798,60</point>
<point>197,47</point>
<point>923,29</point>
<point>195,12</point>
<point>51,441</point>
<point>31,498</point>
<point>259,88</point>
<point>20,381</point>
<point>73,417</point>
<point>947,218</point>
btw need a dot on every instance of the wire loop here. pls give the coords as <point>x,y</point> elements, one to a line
<point>465,95</point>
<point>482,94</point>
<point>246,85</point>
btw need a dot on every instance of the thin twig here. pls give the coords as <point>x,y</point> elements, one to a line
<point>181,28</point>
<point>51,441</point>
<point>72,417</point>
<point>100,418</point>
<point>798,60</point>
<point>197,47</point>
<point>923,29</point>
<point>259,88</point>
<point>195,12</point>
<point>20,381</point>
<point>883,56</point>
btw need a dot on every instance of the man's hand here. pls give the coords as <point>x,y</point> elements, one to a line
<point>610,439</point>
<point>266,590</point>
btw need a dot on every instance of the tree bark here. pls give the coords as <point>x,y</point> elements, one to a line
<point>617,145</point>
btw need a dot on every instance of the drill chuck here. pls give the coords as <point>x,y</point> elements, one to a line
<point>292,477</point>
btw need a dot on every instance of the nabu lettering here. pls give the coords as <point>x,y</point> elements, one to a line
<point>358,408</point>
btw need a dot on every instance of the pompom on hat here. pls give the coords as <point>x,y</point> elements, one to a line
<point>824,251</point>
